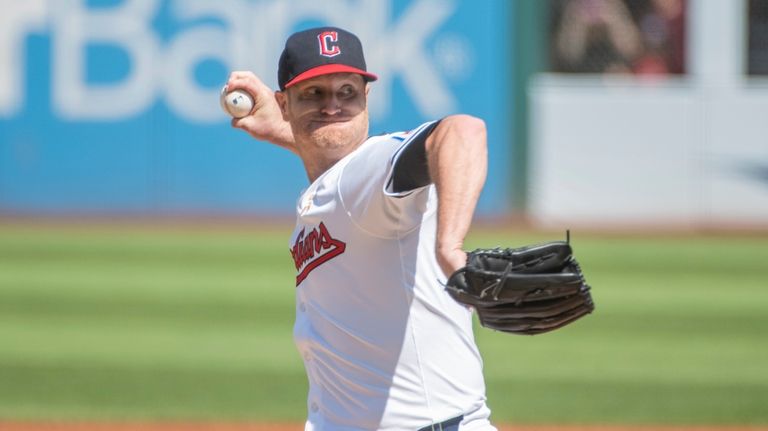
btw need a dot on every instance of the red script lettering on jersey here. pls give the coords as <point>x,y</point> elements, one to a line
<point>314,249</point>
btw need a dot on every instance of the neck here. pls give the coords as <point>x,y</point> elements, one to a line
<point>316,167</point>
<point>318,160</point>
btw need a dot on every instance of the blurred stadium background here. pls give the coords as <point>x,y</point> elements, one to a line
<point>143,265</point>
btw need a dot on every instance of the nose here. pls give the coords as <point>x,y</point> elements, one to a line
<point>331,105</point>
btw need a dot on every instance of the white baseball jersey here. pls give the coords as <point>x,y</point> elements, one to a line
<point>384,346</point>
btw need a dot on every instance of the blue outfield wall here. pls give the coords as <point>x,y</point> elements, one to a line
<point>111,107</point>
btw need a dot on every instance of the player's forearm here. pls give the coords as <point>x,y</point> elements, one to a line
<point>458,162</point>
<point>267,124</point>
<point>278,132</point>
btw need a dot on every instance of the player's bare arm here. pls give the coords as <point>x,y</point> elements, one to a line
<point>457,157</point>
<point>265,123</point>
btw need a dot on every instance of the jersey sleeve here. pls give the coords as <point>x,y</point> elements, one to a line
<point>409,164</point>
<point>385,187</point>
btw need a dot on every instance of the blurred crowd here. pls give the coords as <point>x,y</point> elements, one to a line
<point>643,37</point>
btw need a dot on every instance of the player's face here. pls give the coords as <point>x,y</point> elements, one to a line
<point>329,111</point>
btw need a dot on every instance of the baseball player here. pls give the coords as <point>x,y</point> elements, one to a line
<point>378,228</point>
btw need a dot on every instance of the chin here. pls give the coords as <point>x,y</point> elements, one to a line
<point>328,137</point>
<point>335,135</point>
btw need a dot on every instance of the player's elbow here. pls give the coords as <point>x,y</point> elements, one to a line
<point>467,126</point>
<point>461,133</point>
<point>468,131</point>
<point>463,130</point>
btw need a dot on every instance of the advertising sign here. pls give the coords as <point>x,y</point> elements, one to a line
<point>111,107</point>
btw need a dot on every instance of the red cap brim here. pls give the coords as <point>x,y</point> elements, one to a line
<point>328,69</point>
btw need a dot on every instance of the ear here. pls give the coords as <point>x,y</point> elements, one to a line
<point>282,101</point>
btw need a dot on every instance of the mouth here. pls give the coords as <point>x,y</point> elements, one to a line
<point>328,123</point>
<point>330,120</point>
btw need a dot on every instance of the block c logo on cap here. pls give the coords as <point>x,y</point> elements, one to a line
<point>327,38</point>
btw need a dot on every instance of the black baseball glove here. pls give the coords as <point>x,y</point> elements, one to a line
<point>527,290</point>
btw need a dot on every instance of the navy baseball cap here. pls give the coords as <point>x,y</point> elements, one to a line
<point>320,51</point>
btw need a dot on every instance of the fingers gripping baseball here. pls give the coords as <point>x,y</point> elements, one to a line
<point>265,121</point>
<point>236,103</point>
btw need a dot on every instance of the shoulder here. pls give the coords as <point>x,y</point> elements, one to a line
<point>404,135</point>
<point>402,139</point>
<point>383,145</point>
<point>385,148</point>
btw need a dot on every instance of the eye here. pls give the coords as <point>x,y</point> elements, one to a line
<point>311,93</point>
<point>347,92</point>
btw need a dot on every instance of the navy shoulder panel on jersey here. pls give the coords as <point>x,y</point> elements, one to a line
<point>410,171</point>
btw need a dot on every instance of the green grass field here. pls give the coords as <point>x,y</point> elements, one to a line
<point>146,323</point>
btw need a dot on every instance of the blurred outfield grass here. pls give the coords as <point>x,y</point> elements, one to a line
<point>144,323</point>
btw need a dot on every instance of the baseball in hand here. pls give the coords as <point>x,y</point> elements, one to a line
<point>236,103</point>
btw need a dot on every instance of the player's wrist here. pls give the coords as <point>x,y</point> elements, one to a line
<point>448,244</point>
<point>450,258</point>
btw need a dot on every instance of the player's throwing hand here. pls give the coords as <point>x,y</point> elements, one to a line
<point>265,123</point>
